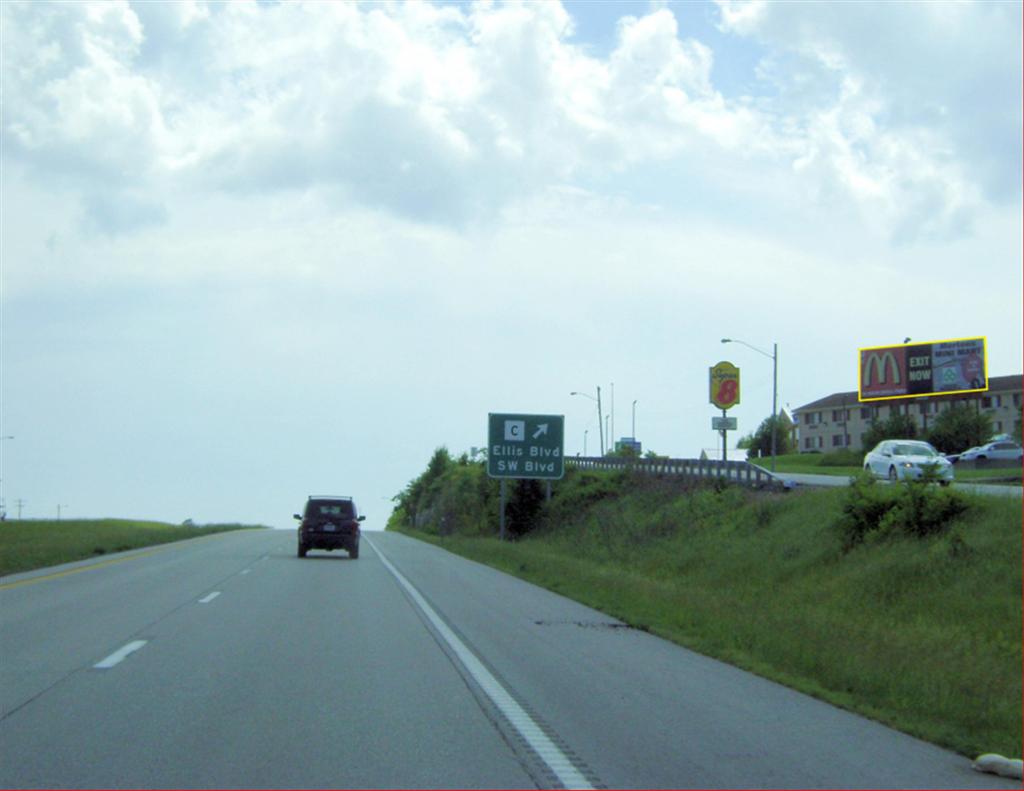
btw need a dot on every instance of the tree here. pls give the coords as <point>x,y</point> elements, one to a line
<point>746,441</point>
<point>961,427</point>
<point>761,444</point>
<point>895,427</point>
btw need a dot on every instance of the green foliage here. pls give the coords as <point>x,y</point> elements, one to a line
<point>623,452</point>
<point>841,458</point>
<point>960,427</point>
<point>38,543</point>
<point>525,501</point>
<point>761,444</point>
<point>895,427</point>
<point>414,501</point>
<point>913,508</point>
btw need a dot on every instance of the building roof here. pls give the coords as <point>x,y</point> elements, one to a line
<point>995,383</point>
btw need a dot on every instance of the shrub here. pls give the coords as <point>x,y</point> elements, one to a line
<point>914,508</point>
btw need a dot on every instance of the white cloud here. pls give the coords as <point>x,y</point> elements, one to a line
<point>449,113</point>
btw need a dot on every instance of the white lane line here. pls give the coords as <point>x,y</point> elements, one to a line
<point>246,571</point>
<point>549,752</point>
<point>118,656</point>
<point>209,598</point>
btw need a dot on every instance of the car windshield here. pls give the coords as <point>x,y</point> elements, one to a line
<point>913,450</point>
<point>341,510</point>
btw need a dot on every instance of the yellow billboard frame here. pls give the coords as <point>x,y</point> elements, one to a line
<point>860,372</point>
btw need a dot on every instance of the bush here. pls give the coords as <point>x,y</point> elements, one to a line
<point>914,508</point>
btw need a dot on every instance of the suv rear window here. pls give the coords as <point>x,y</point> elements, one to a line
<point>337,509</point>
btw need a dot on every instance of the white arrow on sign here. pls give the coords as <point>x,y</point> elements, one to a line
<point>541,429</point>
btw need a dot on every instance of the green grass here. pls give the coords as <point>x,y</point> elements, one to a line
<point>818,464</point>
<point>922,634</point>
<point>33,544</point>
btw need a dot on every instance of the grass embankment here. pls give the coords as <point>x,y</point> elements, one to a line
<point>922,633</point>
<point>33,544</point>
<point>848,464</point>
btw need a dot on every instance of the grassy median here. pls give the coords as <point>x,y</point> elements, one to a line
<point>920,632</point>
<point>33,544</point>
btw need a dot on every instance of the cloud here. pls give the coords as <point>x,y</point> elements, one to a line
<point>450,114</point>
<point>913,111</point>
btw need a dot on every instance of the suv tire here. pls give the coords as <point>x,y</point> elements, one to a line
<point>302,550</point>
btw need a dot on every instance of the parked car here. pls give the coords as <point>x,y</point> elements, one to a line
<point>1010,451</point>
<point>902,459</point>
<point>329,523</point>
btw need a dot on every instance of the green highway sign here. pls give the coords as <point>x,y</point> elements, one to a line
<point>525,446</point>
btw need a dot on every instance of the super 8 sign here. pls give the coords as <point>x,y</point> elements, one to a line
<point>725,385</point>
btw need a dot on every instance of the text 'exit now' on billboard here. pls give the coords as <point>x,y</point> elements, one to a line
<point>922,369</point>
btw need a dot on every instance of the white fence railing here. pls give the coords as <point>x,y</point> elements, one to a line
<point>741,472</point>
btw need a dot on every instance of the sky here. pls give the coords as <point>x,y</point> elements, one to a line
<point>251,252</point>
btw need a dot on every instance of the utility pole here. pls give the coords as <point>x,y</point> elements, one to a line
<point>611,438</point>
<point>19,502</point>
<point>600,420</point>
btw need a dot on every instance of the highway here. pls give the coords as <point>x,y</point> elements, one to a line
<point>228,662</point>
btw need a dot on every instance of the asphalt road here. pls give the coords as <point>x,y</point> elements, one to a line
<point>228,662</point>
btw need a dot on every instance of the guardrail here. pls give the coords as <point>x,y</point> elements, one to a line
<point>741,472</point>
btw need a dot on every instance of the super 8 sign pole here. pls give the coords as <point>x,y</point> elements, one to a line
<point>724,386</point>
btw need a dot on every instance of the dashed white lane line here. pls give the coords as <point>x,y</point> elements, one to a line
<point>549,752</point>
<point>209,597</point>
<point>118,656</point>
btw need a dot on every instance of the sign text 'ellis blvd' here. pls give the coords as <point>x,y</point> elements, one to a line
<point>525,446</point>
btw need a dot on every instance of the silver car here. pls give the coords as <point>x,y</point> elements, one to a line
<point>903,459</point>
<point>993,450</point>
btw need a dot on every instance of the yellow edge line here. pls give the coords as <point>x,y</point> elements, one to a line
<point>102,563</point>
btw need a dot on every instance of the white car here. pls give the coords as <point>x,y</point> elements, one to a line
<point>902,459</point>
<point>993,450</point>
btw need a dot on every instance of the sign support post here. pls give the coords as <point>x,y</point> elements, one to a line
<point>501,511</point>
<point>725,445</point>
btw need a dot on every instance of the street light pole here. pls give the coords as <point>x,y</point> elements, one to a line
<point>585,442</point>
<point>634,420</point>
<point>600,417</point>
<point>775,386</point>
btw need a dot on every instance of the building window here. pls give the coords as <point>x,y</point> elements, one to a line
<point>838,440</point>
<point>999,427</point>
<point>808,443</point>
<point>999,401</point>
<point>1016,399</point>
<point>986,402</point>
<point>821,442</point>
<point>925,408</point>
<point>865,412</point>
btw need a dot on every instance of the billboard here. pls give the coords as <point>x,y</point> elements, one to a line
<point>922,369</point>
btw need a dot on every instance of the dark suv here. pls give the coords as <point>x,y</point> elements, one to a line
<point>329,523</point>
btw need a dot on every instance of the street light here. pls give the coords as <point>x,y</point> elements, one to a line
<point>634,420</point>
<point>775,384</point>
<point>585,441</point>
<point>600,421</point>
